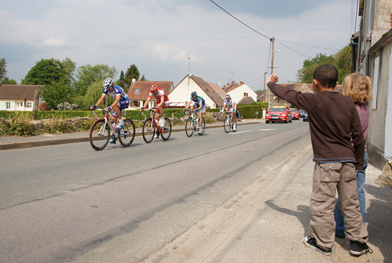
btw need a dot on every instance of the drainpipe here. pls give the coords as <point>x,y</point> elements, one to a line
<point>368,35</point>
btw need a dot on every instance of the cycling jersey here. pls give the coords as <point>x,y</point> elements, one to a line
<point>116,91</point>
<point>230,104</point>
<point>160,93</point>
<point>198,101</point>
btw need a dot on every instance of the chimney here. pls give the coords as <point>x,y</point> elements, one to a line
<point>133,80</point>
<point>242,83</point>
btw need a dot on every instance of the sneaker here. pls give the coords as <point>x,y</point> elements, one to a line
<point>234,127</point>
<point>312,243</point>
<point>357,249</point>
<point>120,124</point>
<point>112,141</point>
<point>162,122</point>
<point>200,131</point>
<point>157,135</point>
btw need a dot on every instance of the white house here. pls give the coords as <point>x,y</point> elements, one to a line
<point>18,97</point>
<point>238,92</point>
<point>182,92</point>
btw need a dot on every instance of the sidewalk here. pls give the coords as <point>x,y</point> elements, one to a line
<point>267,222</point>
<point>18,142</point>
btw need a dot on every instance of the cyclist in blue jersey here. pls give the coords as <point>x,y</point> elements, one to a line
<point>199,104</point>
<point>121,101</point>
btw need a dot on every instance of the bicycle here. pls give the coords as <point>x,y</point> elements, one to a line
<point>151,124</point>
<point>100,131</point>
<point>228,122</point>
<point>192,124</point>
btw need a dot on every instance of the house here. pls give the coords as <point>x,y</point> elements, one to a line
<point>239,91</point>
<point>379,140</point>
<point>246,100</point>
<point>211,93</point>
<point>261,95</point>
<point>139,90</point>
<point>18,97</point>
<point>372,56</point>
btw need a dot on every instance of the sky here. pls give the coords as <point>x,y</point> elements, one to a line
<point>166,39</point>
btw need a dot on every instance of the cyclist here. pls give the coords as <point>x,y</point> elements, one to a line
<point>230,105</point>
<point>197,103</point>
<point>163,103</point>
<point>121,101</point>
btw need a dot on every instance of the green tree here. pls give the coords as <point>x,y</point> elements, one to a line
<point>3,71</point>
<point>46,72</point>
<point>70,68</point>
<point>132,73</point>
<point>121,81</point>
<point>56,93</point>
<point>86,75</point>
<point>341,60</point>
<point>9,81</point>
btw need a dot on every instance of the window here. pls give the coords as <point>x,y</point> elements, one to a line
<point>137,91</point>
<point>135,104</point>
<point>245,94</point>
<point>8,105</point>
<point>29,105</point>
<point>375,82</point>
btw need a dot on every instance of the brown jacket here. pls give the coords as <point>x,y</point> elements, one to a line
<point>333,121</point>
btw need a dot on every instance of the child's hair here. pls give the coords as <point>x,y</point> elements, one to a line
<point>327,75</point>
<point>358,87</point>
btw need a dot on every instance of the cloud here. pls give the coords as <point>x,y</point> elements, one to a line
<point>55,42</point>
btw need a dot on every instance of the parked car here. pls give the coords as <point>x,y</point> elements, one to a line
<point>278,113</point>
<point>294,113</point>
<point>306,116</point>
<point>301,113</point>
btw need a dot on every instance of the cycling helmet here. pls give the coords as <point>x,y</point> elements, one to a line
<point>228,96</point>
<point>194,94</point>
<point>153,88</point>
<point>108,83</point>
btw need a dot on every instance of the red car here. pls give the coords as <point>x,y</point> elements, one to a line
<point>278,113</point>
<point>294,113</point>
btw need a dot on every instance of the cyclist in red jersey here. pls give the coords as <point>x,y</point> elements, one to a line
<point>163,102</point>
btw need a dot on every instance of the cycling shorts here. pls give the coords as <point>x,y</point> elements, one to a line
<point>165,105</point>
<point>122,104</point>
<point>197,105</point>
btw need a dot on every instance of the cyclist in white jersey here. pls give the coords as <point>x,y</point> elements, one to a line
<point>121,101</point>
<point>230,105</point>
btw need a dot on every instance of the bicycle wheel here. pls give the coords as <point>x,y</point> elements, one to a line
<point>148,130</point>
<point>99,135</point>
<point>127,133</point>
<point>166,130</point>
<point>226,124</point>
<point>189,127</point>
<point>203,127</point>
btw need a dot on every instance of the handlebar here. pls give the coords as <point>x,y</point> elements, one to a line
<point>105,110</point>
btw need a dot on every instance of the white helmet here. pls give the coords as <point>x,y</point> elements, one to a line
<point>228,96</point>
<point>108,83</point>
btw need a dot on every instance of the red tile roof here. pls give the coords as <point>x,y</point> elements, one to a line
<point>139,90</point>
<point>18,92</point>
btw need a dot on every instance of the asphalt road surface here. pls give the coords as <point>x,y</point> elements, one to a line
<point>69,203</point>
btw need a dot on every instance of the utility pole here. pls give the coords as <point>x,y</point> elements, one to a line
<point>272,55</point>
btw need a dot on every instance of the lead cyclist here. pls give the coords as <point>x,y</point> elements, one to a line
<point>230,105</point>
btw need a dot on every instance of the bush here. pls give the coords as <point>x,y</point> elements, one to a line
<point>208,117</point>
<point>19,124</point>
<point>43,107</point>
<point>249,112</point>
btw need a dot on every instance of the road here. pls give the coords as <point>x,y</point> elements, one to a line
<point>68,203</point>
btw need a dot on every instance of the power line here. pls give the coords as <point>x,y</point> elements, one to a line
<point>305,45</point>
<point>240,20</point>
<point>295,51</point>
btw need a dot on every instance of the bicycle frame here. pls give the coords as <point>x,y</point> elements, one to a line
<point>107,120</point>
<point>153,113</point>
<point>195,119</point>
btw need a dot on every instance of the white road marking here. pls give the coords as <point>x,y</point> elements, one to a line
<point>252,131</point>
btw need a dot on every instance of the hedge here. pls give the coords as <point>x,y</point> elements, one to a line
<point>247,111</point>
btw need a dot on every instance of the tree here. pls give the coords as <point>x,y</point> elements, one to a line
<point>3,71</point>
<point>88,74</point>
<point>45,72</point>
<point>132,73</point>
<point>121,81</point>
<point>70,68</point>
<point>56,93</point>
<point>341,60</point>
<point>9,81</point>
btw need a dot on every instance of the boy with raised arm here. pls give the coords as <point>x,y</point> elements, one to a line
<point>333,121</point>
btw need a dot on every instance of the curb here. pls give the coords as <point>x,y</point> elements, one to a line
<point>48,142</point>
<point>198,242</point>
